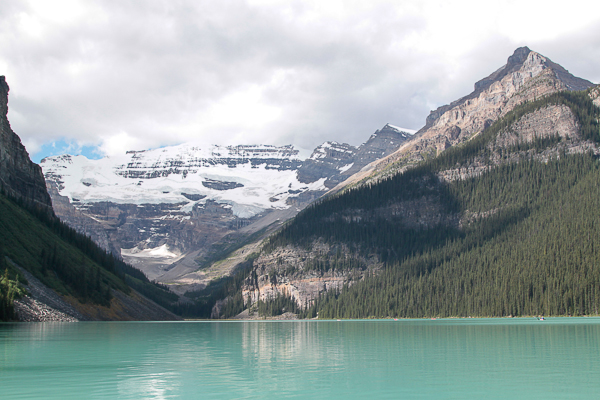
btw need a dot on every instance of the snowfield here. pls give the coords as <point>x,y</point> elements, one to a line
<point>250,179</point>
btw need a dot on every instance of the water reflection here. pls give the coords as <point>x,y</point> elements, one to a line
<point>305,359</point>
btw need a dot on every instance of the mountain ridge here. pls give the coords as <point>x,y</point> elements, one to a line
<point>527,75</point>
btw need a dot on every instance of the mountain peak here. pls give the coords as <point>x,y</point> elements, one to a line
<point>519,56</point>
<point>521,67</point>
<point>514,63</point>
<point>397,129</point>
<point>526,76</point>
<point>529,62</point>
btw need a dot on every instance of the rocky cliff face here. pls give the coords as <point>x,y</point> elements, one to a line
<point>327,160</point>
<point>273,274</point>
<point>595,95</point>
<point>19,177</point>
<point>551,121</point>
<point>527,75</point>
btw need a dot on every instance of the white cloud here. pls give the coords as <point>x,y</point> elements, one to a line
<point>114,73</point>
<point>121,142</point>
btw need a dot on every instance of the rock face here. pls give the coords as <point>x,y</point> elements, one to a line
<point>327,160</point>
<point>527,75</point>
<point>272,275</point>
<point>167,211</point>
<point>19,177</point>
<point>551,121</point>
<point>595,95</point>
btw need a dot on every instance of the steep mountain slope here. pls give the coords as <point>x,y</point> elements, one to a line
<point>68,274</point>
<point>171,211</point>
<point>526,76</point>
<point>48,270</point>
<point>488,227</point>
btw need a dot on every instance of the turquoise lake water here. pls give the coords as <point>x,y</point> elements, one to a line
<point>407,359</point>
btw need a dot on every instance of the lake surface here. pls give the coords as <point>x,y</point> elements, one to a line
<point>407,359</point>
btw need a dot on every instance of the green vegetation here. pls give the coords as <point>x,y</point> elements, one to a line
<point>536,255</point>
<point>277,306</point>
<point>9,290</point>
<point>530,245</point>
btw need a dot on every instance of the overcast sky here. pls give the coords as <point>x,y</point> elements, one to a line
<point>101,77</point>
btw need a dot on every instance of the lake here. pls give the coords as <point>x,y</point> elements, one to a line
<point>524,358</point>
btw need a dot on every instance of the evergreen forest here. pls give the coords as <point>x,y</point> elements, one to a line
<point>62,259</point>
<point>530,244</point>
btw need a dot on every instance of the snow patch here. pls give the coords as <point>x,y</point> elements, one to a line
<point>157,252</point>
<point>345,168</point>
<point>409,131</point>
<point>245,211</point>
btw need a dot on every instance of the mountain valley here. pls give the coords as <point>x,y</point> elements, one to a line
<point>490,209</point>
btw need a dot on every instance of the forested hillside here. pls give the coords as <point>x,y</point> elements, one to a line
<point>519,236</point>
<point>62,259</point>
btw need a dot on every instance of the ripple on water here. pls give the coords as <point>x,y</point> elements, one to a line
<point>423,359</point>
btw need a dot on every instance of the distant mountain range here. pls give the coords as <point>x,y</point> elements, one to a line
<point>164,210</point>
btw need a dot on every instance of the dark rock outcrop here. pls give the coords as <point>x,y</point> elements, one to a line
<point>326,161</point>
<point>19,176</point>
<point>220,185</point>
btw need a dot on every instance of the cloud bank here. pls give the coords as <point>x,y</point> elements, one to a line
<point>102,77</point>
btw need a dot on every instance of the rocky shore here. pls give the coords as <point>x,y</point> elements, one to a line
<point>43,304</point>
<point>31,310</point>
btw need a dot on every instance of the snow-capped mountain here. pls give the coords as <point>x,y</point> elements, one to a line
<point>165,210</point>
<point>248,179</point>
